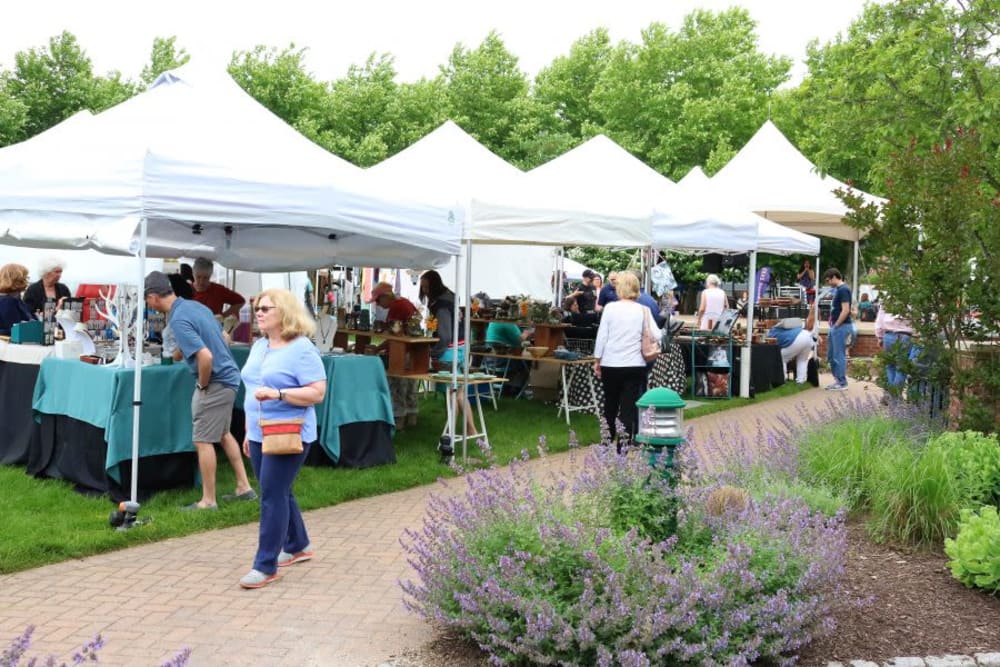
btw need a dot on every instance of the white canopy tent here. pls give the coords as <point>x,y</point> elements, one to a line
<point>771,177</point>
<point>448,165</point>
<point>683,220</point>
<point>195,166</point>
<point>215,174</point>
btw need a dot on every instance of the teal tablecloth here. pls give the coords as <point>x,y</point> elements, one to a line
<point>356,391</point>
<point>102,396</point>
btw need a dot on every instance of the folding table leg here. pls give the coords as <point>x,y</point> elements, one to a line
<point>565,392</point>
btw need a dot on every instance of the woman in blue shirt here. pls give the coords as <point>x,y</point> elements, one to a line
<point>284,378</point>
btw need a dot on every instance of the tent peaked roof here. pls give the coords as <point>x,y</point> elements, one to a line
<point>593,161</point>
<point>214,173</point>
<point>770,176</point>
<point>693,177</point>
<point>447,164</point>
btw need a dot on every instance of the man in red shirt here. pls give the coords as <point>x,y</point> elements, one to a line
<point>400,308</point>
<point>402,390</point>
<point>218,298</point>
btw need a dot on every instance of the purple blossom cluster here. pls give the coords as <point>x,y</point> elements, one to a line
<point>18,650</point>
<point>548,573</point>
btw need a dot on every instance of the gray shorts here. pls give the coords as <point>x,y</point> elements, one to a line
<point>212,411</point>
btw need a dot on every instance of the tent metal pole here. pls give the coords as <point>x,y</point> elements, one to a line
<point>466,404</point>
<point>748,339</point>
<point>454,356</point>
<point>140,314</point>
<point>855,287</point>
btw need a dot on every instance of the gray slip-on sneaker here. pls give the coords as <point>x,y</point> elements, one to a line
<point>285,558</point>
<point>257,579</point>
<point>249,494</point>
<point>195,507</point>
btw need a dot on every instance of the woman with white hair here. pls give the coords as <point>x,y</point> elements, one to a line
<point>713,302</point>
<point>48,288</point>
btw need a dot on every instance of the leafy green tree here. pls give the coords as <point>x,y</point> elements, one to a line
<point>165,56</point>
<point>13,115</point>
<point>279,81</point>
<point>942,222</point>
<point>51,84</point>
<point>671,99</point>
<point>908,69</point>
<point>487,94</point>
<point>565,86</point>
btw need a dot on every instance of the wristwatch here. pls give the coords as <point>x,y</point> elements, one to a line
<point>201,387</point>
<point>281,394</point>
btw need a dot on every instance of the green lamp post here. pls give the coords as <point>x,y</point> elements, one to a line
<point>661,426</point>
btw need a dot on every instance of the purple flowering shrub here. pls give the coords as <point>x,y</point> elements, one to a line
<point>12,656</point>
<point>568,572</point>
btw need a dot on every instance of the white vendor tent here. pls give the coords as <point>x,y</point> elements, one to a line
<point>448,165</point>
<point>770,176</point>
<point>213,173</point>
<point>682,221</point>
<point>195,166</point>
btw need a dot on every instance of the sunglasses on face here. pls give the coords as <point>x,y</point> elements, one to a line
<point>264,309</point>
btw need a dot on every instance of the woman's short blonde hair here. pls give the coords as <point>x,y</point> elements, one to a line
<point>627,286</point>
<point>13,278</point>
<point>295,319</point>
<point>712,280</point>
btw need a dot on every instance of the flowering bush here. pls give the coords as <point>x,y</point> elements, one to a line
<point>18,649</point>
<point>592,569</point>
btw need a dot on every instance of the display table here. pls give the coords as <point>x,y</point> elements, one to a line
<point>766,369</point>
<point>581,391</point>
<point>453,386</point>
<point>357,410</point>
<point>355,418</point>
<point>407,355</point>
<point>18,373</point>
<point>70,395</point>
<point>549,335</point>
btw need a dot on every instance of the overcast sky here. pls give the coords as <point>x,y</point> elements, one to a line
<point>118,34</point>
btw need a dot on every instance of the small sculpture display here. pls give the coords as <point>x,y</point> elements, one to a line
<point>120,307</point>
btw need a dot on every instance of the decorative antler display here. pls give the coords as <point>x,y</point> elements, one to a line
<point>120,306</point>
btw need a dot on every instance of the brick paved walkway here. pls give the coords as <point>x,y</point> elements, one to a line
<point>343,608</point>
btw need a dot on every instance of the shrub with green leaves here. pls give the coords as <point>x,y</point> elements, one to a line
<point>975,461</point>
<point>975,552</point>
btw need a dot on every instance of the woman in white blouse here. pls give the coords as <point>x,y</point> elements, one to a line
<point>713,302</point>
<point>619,363</point>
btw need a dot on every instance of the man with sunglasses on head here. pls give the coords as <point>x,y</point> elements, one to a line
<point>217,377</point>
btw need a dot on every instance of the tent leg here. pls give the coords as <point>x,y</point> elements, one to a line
<point>748,341</point>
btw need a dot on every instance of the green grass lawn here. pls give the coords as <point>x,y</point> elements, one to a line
<point>46,521</point>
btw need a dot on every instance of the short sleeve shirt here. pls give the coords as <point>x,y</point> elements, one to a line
<point>216,297</point>
<point>400,310</point>
<point>841,300</point>
<point>296,365</point>
<point>194,327</point>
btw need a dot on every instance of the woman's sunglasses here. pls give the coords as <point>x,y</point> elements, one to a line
<point>264,309</point>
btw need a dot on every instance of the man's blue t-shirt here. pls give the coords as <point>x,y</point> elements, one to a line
<point>194,327</point>
<point>841,300</point>
<point>607,295</point>
<point>648,301</point>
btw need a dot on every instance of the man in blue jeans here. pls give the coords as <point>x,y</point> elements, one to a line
<point>840,328</point>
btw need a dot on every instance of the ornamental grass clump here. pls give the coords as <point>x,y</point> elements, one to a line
<point>614,566</point>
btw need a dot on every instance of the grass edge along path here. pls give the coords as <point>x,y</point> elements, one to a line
<point>45,521</point>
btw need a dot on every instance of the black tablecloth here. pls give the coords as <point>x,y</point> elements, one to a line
<point>75,451</point>
<point>766,369</point>
<point>17,428</point>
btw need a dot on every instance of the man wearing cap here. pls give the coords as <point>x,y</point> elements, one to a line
<point>403,391</point>
<point>584,294</point>
<point>217,377</point>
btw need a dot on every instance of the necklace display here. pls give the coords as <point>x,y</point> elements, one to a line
<point>325,328</point>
